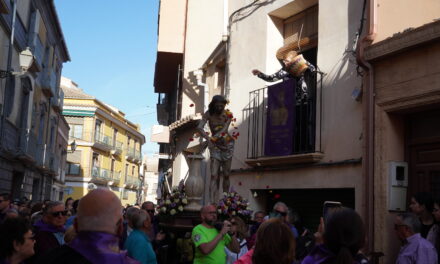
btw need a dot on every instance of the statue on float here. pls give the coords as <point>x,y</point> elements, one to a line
<point>220,143</point>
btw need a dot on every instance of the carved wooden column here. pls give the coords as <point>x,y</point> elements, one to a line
<point>194,185</point>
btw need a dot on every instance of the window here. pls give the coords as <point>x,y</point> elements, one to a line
<point>115,134</point>
<point>98,126</point>
<point>73,168</point>
<point>76,131</point>
<point>299,26</point>
<point>113,165</point>
<point>132,170</point>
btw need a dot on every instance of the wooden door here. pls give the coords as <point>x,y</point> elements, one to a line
<point>423,152</point>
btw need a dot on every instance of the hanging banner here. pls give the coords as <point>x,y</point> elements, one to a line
<point>280,119</point>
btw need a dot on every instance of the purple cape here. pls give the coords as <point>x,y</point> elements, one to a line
<point>45,227</point>
<point>100,248</point>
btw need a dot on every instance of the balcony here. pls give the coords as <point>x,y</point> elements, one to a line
<point>101,175</point>
<point>37,50</point>
<point>117,148</point>
<point>27,146</point>
<point>58,101</point>
<point>295,139</point>
<point>131,182</point>
<point>49,82</point>
<point>137,156</point>
<point>40,155</point>
<point>103,142</point>
<point>115,177</point>
<point>130,154</point>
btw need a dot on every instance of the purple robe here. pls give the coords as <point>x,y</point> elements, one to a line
<point>99,247</point>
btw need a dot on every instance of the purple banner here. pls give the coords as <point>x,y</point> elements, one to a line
<point>280,119</point>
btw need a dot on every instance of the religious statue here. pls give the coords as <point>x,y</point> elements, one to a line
<point>220,143</point>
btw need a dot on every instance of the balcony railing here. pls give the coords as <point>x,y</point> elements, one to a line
<point>116,177</point>
<point>28,145</point>
<point>103,142</point>
<point>101,174</point>
<point>117,148</point>
<point>132,182</point>
<point>304,125</point>
<point>137,156</point>
<point>130,153</point>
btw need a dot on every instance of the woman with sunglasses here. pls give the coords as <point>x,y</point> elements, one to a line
<point>239,228</point>
<point>16,241</point>
<point>49,231</point>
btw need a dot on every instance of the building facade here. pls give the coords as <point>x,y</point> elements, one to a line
<point>365,132</point>
<point>149,179</point>
<point>108,147</point>
<point>33,132</point>
<point>402,117</point>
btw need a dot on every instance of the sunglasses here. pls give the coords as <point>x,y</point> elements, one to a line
<point>150,211</point>
<point>59,213</point>
<point>281,213</point>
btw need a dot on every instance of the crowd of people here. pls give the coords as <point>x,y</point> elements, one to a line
<point>98,229</point>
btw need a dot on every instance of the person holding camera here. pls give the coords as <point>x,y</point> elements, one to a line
<point>211,238</point>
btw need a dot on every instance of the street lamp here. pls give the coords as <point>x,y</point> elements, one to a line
<point>26,59</point>
<point>73,146</point>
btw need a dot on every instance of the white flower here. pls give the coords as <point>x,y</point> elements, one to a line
<point>184,201</point>
<point>163,209</point>
<point>168,201</point>
<point>233,212</point>
<point>219,211</point>
<point>173,212</point>
<point>180,208</point>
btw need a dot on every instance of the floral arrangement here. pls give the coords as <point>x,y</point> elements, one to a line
<point>232,204</point>
<point>174,202</point>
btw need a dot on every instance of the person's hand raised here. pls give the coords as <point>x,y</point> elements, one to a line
<point>255,72</point>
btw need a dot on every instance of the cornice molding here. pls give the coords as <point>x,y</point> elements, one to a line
<point>402,41</point>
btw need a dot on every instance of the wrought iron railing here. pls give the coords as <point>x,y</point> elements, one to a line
<point>307,103</point>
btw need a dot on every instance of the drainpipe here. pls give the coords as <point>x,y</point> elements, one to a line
<point>368,83</point>
<point>9,69</point>
<point>225,20</point>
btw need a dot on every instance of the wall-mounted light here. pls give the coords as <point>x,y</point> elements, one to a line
<point>26,58</point>
<point>73,146</point>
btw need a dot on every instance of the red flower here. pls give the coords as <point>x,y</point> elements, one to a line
<point>191,139</point>
<point>267,186</point>
<point>191,105</point>
<point>223,134</point>
<point>239,183</point>
<point>277,196</point>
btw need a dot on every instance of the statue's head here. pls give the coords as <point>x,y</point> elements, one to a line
<point>217,104</point>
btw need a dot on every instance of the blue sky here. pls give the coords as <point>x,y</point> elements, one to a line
<point>112,45</point>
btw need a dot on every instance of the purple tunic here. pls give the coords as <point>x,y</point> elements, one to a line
<point>99,247</point>
<point>417,250</point>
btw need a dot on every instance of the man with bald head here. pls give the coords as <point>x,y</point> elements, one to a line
<point>209,242</point>
<point>98,224</point>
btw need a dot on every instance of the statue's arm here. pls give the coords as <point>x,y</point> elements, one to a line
<point>201,126</point>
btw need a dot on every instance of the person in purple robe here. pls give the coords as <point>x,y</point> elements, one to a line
<point>415,248</point>
<point>49,230</point>
<point>98,224</point>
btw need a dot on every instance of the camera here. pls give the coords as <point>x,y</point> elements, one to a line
<point>219,226</point>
